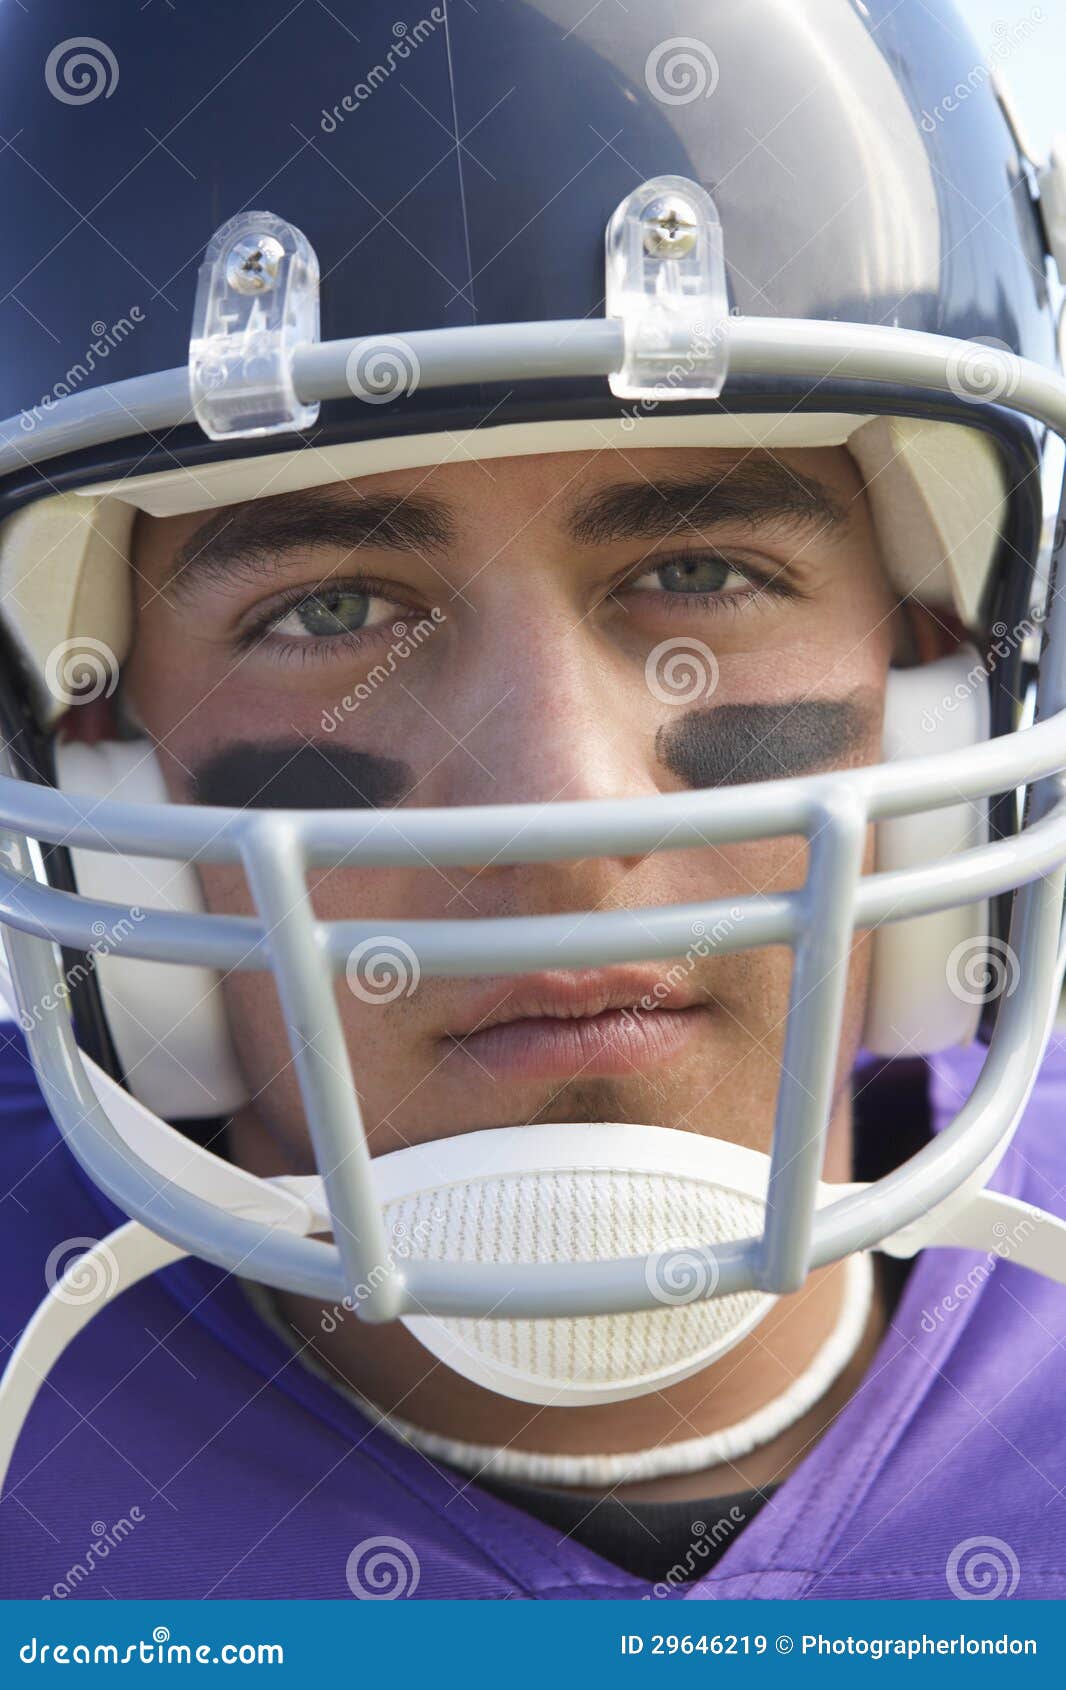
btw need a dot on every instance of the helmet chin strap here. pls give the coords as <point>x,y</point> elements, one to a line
<point>522,1194</point>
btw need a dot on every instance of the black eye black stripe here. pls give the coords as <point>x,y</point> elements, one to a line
<point>301,775</point>
<point>731,744</point>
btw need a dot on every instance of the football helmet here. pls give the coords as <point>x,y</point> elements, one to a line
<point>708,222</point>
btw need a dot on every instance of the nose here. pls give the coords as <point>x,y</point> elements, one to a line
<point>550,716</point>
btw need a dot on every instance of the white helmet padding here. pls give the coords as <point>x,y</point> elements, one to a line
<point>168,1021</point>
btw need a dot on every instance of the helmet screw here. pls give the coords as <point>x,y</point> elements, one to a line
<point>252,266</point>
<point>669,227</point>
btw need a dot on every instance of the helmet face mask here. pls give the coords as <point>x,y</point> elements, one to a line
<point>910,822</point>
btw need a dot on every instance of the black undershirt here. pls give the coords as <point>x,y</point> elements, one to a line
<point>663,1542</point>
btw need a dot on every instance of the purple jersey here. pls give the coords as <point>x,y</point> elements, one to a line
<point>179,1449</point>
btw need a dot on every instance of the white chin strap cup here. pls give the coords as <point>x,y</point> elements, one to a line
<point>169,1025</point>
<point>580,1194</point>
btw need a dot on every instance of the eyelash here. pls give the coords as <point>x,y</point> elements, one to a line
<point>732,601</point>
<point>312,649</point>
<point>320,649</point>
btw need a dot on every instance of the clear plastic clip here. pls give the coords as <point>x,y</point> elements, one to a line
<point>666,282</point>
<point>256,300</point>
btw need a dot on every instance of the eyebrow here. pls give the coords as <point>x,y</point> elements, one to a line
<point>243,536</point>
<point>749,492</point>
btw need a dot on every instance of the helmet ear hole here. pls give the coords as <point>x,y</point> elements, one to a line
<point>167,1021</point>
<point>923,997</point>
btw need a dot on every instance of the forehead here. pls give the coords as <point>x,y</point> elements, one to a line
<point>555,492</point>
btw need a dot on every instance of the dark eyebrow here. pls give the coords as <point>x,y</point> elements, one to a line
<point>243,536</point>
<point>750,492</point>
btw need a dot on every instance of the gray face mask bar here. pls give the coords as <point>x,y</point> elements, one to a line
<point>832,811</point>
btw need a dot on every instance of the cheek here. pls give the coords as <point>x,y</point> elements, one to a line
<point>381,1039</point>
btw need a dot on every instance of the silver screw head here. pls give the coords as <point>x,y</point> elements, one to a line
<point>253,265</point>
<point>669,227</point>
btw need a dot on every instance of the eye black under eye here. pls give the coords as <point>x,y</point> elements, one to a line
<point>694,575</point>
<point>331,612</point>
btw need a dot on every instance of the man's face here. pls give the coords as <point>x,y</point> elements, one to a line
<point>572,626</point>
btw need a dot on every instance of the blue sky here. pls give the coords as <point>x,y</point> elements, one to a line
<point>1030,55</point>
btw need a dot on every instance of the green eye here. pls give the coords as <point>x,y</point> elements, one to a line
<point>330,612</point>
<point>694,575</point>
<point>333,612</point>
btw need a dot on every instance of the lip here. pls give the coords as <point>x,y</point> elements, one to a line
<point>603,1023</point>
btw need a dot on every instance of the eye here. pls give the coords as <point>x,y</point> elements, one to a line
<point>700,572</point>
<point>330,612</point>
